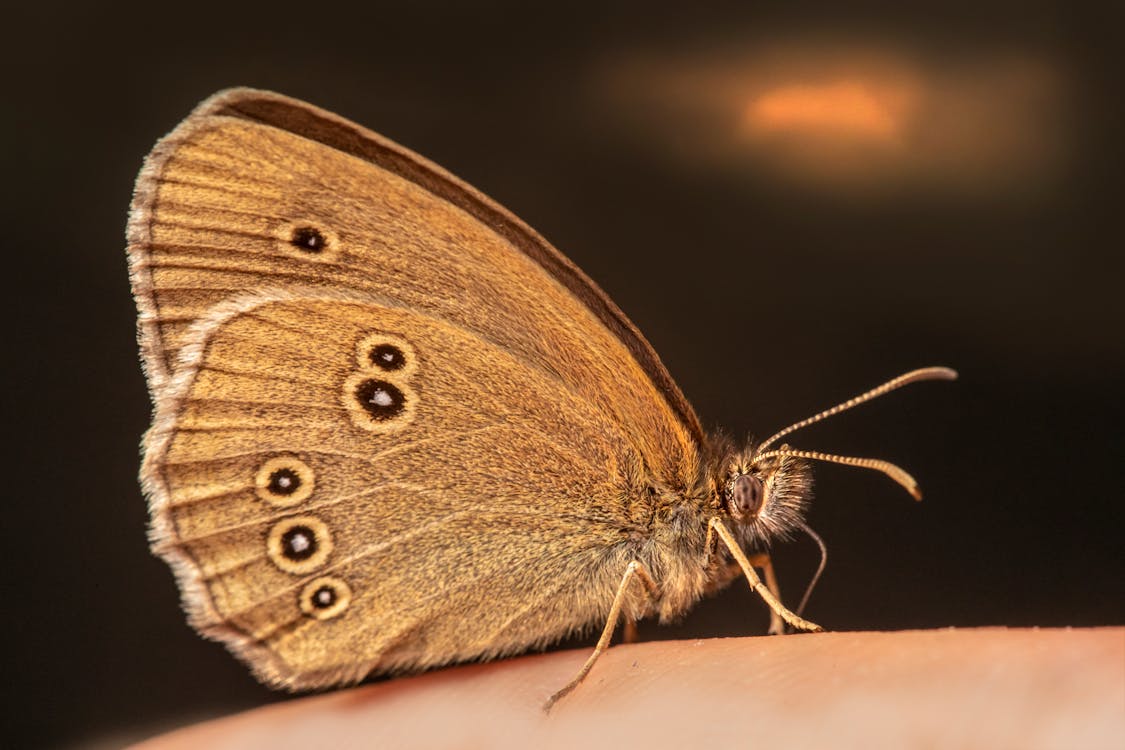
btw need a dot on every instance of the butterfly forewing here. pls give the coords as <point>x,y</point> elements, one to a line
<point>224,197</point>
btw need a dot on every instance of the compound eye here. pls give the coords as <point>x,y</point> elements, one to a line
<point>746,496</point>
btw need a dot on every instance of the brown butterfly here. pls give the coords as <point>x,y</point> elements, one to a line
<point>396,429</point>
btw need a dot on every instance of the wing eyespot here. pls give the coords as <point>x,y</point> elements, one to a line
<point>325,597</point>
<point>378,396</point>
<point>284,481</point>
<point>299,545</point>
<point>387,357</point>
<point>386,353</point>
<point>308,240</point>
<point>378,404</point>
<point>381,399</point>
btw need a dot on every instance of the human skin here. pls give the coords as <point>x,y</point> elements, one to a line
<point>977,688</point>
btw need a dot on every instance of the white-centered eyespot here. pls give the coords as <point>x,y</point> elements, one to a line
<point>325,597</point>
<point>300,544</point>
<point>386,353</point>
<point>284,481</point>
<point>307,239</point>
<point>377,403</point>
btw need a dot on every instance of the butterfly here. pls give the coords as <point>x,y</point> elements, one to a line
<point>394,428</point>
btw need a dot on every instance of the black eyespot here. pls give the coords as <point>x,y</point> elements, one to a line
<point>308,239</point>
<point>284,481</point>
<point>387,357</point>
<point>324,597</point>
<point>382,400</point>
<point>298,543</point>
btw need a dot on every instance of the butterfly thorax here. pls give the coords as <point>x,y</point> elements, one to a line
<point>759,501</point>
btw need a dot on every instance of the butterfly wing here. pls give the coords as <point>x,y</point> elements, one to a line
<point>471,511</point>
<point>221,198</point>
<point>328,516</point>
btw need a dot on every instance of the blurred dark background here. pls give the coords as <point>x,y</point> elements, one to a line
<point>793,205</point>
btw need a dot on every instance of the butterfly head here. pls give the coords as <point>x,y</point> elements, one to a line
<point>766,498</point>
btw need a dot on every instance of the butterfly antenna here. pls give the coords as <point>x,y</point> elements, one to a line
<point>820,568</point>
<point>894,472</point>
<point>914,376</point>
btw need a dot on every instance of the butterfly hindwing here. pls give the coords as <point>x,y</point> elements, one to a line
<point>268,447</point>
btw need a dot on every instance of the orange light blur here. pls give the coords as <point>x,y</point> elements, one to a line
<point>849,116</point>
<point>847,107</point>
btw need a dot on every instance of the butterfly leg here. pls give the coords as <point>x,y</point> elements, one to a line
<point>634,569</point>
<point>629,632</point>
<point>755,582</point>
<point>760,560</point>
<point>763,561</point>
